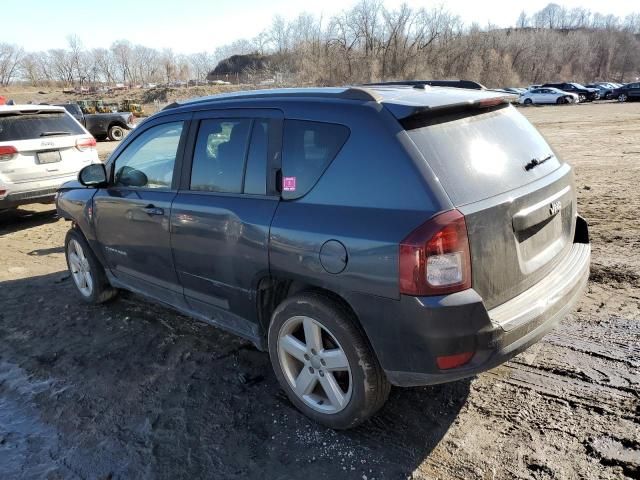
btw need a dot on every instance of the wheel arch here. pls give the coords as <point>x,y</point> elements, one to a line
<point>272,291</point>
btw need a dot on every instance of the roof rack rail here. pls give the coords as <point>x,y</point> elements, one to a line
<point>359,93</point>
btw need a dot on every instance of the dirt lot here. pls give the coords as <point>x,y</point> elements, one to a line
<point>133,390</point>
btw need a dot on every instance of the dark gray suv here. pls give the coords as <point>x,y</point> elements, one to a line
<point>365,237</point>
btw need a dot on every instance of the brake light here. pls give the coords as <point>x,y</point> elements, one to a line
<point>7,153</point>
<point>491,102</point>
<point>83,144</point>
<point>435,257</point>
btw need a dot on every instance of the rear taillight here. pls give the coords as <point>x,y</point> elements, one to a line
<point>435,257</point>
<point>83,144</point>
<point>7,153</point>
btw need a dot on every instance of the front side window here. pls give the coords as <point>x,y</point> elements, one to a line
<point>308,149</point>
<point>148,161</point>
<point>219,156</point>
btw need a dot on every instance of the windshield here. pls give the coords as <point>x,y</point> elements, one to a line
<point>20,126</point>
<point>577,85</point>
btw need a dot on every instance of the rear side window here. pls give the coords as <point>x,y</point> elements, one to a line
<point>219,156</point>
<point>308,148</point>
<point>479,156</point>
<point>28,126</point>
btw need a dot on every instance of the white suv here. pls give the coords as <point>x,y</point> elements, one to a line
<point>41,147</point>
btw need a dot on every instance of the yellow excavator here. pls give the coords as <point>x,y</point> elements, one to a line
<point>129,105</point>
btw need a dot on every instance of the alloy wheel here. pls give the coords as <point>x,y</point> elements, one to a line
<point>315,365</point>
<point>80,268</point>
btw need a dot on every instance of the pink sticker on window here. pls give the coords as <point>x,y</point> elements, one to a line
<point>289,184</point>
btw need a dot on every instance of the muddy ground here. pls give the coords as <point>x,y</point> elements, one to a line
<point>133,390</point>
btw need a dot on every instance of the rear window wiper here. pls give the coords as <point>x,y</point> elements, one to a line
<point>535,162</point>
<point>51,134</point>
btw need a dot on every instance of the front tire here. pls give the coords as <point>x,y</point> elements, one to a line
<point>323,361</point>
<point>528,101</point>
<point>116,133</point>
<point>92,285</point>
<point>622,97</point>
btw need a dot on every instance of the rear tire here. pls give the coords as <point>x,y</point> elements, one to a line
<point>561,101</point>
<point>92,285</point>
<point>116,133</point>
<point>324,362</point>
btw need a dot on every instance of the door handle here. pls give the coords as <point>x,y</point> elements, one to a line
<point>153,210</point>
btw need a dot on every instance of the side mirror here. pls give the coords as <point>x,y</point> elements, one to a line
<point>94,175</point>
<point>131,177</point>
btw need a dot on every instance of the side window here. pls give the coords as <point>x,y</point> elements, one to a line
<point>219,156</point>
<point>308,148</point>
<point>148,161</point>
<point>255,179</point>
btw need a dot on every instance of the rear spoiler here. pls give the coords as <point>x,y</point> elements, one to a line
<point>420,116</point>
<point>470,84</point>
<point>31,111</point>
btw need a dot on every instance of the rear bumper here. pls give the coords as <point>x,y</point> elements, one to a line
<point>416,331</point>
<point>43,195</point>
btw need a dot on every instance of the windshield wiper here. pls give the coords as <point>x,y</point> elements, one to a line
<point>51,134</point>
<point>535,162</point>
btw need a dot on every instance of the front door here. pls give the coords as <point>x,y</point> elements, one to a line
<point>222,214</point>
<point>132,215</point>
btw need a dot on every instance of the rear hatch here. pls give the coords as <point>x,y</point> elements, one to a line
<point>48,144</point>
<point>517,196</point>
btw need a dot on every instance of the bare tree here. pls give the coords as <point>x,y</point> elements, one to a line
<point>10,58</point>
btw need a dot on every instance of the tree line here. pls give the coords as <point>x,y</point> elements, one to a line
<point>367,42</point>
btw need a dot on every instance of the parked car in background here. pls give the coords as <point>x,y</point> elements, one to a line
<point>610,85</point>
<point>585,94</point>
<point>252,211</point>
<point>102,125</point>
<point>606,92</point>
<point>547,95</point>
<point>630,91</point>
<point>41,147</point>
<point>511,90</point>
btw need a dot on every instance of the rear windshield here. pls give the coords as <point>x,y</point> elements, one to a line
<point>479,156</point>
<point>38,125</point>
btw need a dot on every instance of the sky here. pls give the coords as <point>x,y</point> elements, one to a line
<point>189,26</point>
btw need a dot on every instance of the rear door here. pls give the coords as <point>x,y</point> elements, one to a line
<point>517,196</point>
<point>45,141</point>
<point>132,215</point>
<point>222,214</point>
<point>634,90</point>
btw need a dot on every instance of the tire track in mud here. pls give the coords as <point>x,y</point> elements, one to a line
<point>575,365</point>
